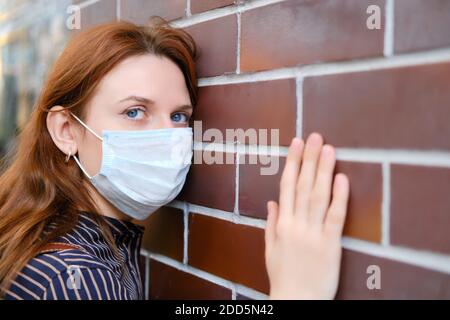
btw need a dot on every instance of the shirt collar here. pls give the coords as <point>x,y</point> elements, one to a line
<point>120,228</point>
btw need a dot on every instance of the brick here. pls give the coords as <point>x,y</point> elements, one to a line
<point>165,232</point>
<point>231,251</point>
<point>256,189</point>
<point>139,11</point>
<point>302,32</point>
<point>421,25</point>
<point>398,280</point>
<point>217,44</point>
<point>269,105</point>
<point>420,207</point>
<point>401,108</point>
<point>211,184</point>
<point>364,207</point>
<point>198,6</point>
<point>168,283</point>
<point>242,297</point>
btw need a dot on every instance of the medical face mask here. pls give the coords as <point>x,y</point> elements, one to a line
<point>142,170</point>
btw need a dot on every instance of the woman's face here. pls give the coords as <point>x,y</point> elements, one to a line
<point>141,93</point>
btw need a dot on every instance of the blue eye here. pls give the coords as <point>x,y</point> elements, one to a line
<point>177,116</point>
<point>135,114</point>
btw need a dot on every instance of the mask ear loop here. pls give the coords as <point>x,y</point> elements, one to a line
<point>81,167</point>
<point>78,162</point>
<point>74,157</point>
<point>68,157</point>
<point>84,125</point>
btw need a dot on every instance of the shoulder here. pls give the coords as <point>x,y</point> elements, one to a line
<point>65,274</point>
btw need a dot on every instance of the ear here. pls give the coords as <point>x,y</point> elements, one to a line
<point>62,130</point>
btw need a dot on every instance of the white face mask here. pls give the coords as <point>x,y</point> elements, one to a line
<point>142,170</point>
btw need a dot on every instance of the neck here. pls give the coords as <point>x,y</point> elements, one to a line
<point>104,206</point>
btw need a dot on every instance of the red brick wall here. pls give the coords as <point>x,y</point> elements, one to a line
<point>381,96</point>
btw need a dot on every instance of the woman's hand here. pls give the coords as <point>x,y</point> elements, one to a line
<point>303,232</point>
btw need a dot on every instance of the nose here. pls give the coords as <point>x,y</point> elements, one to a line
<point>162,122</point>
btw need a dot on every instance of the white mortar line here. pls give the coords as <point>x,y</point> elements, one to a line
<point>230,147</point>
<point>186,232</point>
<point>380,63</point>
<point>220,13</point>
<point>389,17</point>
<point>189,269</point>
<point>386,202</point>
<point>118,10</point>
<point>228,216</point>
<point>251,293</point>
<point>425,259</point>
<point>233,293</point>
<point>203,17</point>
<point>234,287</point>
<point>405,60</point>
<point>329,68</point>
<point>412,157</point>
<point>236,182</point>
<point>188,8</point>
<point>437,261</point>
<point>238,47</point>
<point>275,74</point>
<point>299,116</point>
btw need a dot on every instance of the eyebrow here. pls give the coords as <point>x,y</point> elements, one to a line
<point>149,101</point>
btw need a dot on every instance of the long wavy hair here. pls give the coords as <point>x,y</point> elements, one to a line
<point>37,188</point>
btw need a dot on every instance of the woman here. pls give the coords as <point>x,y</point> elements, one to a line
<point>95,155</point>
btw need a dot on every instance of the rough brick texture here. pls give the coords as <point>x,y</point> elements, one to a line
<point>381,96</point>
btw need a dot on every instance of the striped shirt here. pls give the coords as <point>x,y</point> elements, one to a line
<point>91,272</point>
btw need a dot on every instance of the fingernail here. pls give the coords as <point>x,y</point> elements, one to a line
<point>340,178</point>
<point>315,138</point>
<point>327,149</point>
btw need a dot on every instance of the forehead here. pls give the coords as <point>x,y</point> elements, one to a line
<point>151,76</point>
